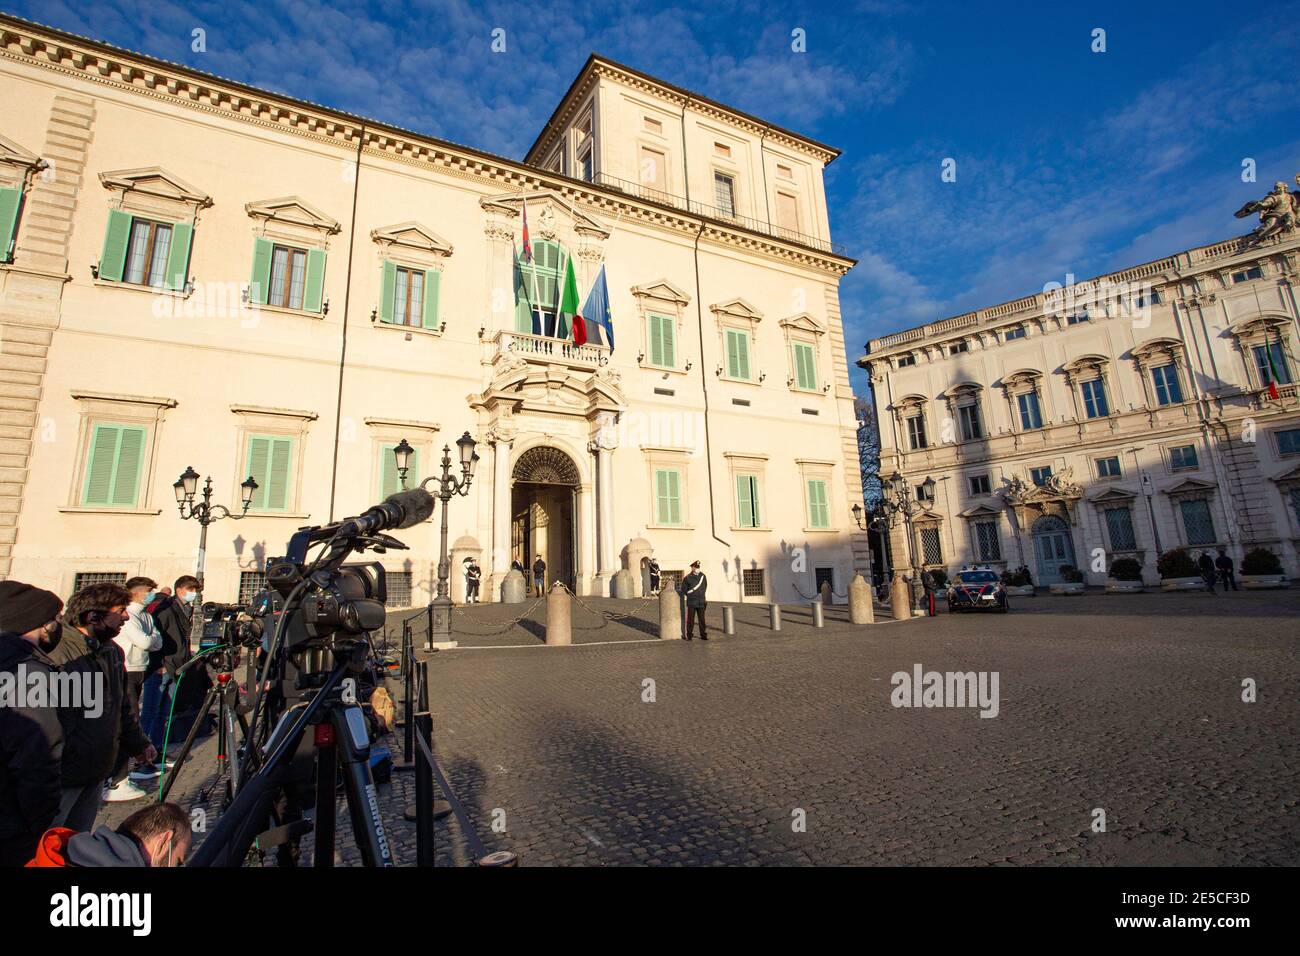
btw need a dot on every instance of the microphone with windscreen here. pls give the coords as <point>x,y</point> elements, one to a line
<point>402,510</point>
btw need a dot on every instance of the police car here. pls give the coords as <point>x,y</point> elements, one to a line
<point>977,588</point>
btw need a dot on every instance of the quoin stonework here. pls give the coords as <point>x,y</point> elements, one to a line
<point>1121,416</point>
<point>200,273</point>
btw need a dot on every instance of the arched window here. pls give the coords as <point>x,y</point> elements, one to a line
<point>537,288</point>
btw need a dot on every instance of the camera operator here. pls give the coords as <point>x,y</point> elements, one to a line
<point>93,737</point>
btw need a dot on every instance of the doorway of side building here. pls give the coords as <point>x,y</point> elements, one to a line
<point>543,497</point>
<point>1053,548</point>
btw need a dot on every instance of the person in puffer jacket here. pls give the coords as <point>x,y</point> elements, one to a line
<point>156,836</point>
<point>138,638</point>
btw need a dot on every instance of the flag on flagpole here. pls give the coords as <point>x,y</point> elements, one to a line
<point>1272,369</point>
<point>568,307</point>
<point>528,246</point>
<point>598,326</point>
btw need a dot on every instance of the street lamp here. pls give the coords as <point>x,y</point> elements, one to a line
<point>449,485</point>
<point>403,452</point>
<point>205,512</point>
<point>898,500</point>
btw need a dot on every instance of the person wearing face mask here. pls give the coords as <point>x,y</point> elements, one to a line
<point>94,735</point>
<point>174,616</point>
<point>155,836</point>
<point>138,639</point>
<point>31,738</point>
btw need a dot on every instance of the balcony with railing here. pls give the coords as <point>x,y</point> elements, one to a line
<point>717,214</point>
<point>545,350</point>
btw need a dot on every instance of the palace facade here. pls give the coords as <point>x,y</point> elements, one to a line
<point>1122,416</point>
<point>199,273</point>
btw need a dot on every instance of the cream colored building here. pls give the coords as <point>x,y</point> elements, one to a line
<point>1121,416</point>
<point>202,273</point>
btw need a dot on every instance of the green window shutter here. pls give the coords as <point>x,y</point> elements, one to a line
<point>667,497</point>
<point>742,350</point>
<point>733,355</point>
<point>116,455</point>
<point>656,341</point>
<point>432,286</point>
<point>178,257</point>
<point>313,293</point>
<point>805,366</point>
<point>112,260</point>
<point>667,336</point>
<point>390,480</point>
<point>390,290</point>
<point>269,460</point>
<point>818,513</point>
<point>745,503</point>
<point>10,201</point>
<point>674,498</point>
<point>260,286</point>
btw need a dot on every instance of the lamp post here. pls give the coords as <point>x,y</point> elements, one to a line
<point>898,500</point>
<point>402,452</point>
<point>448,485</point>
<point>205,512</point>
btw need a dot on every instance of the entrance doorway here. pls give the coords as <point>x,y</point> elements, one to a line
<point>543,499</point>
<point>1052,548</point>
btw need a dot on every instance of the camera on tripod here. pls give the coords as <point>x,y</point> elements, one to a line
<point>230,625</point>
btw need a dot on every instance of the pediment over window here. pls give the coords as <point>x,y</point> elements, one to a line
<point>412,236</point>
<point>1157,348</point>
<point>1020,378</point>
<point>1190,488</point>
<point>803,322</point>
<point>546,211</point>
<point>663,291</point>
<point>981,511</point>
<point>1256,327</point>
<point>909,402</point>
<point>737,309</point>
<point>1084,364</point>
<point>1114,496</point>
<point>963,388</point>
<point>156,182</point>
<point>292,210</point>
<point>1289,477</point>
<point>14,155</point>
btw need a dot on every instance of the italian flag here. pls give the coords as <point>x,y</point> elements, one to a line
<point>1272,369</point>
<point>569,307</point>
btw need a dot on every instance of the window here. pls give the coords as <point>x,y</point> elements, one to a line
<point>652,126</point>
<point>1094,399</point>
<point>737,354</point>
<point>11,204</point>
<point>1108,467</point>
<point>269,460</point>
<point>905,360</point>
<point>1119,524</point>
<point>785,172</point>
<point>1031,416</point>
<point>584,166</point>
<point>958,347</point>
<point>287,276</point>
<point>668,498</point>
<point>1288,442</point>
<point>1247,274</point>
<point>916,432</point>
<point>969,416</point>
<point>1270,362</point>
<point>752,580</point>
<point>724,194</point>
<point>1197,521</point>
<point>145,252</point>
<point>410,296</point>
<point>747,501</point>
<point>653,169</point>
<point>987,544</point>
<point>787,212</point>
<point>819,515</point>
<point>1294,495</point>
<point>250,582</point>
<point>1168,389</point>
<point>84,579</point>
<point>1181,457</point>
<point>1011,335</point>
<point>397,585</point>
<point>115,456</point>
<point>979,484</point>
<point>1078,319</point>
<point>931,552</point>
<point>1148,298</point>
<point>390,479</point>
<point>921,494</point>
<point>722,149</point>
<point>805,366</point>
<point>663,344</point>
<point>1039,476</point>
<point>537,290</point>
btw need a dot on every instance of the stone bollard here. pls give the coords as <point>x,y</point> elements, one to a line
<point>729,620</point>
<point>860,606</point>
<point>624,585</point>
<point>670,615</point>
<point>818,619</point>
<point>900,598</point>
<point>774,616</point>
<point>825,593</point>
<point>514,589</point>
<point>559,617</point>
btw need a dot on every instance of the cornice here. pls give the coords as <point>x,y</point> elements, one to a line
<point>178,85</point>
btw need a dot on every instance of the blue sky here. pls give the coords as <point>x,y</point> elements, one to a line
<point>1068,161</point>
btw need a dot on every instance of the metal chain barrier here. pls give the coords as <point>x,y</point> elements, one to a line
<point>806,597</point>
<point>509,625</point>
<point>607,615</point>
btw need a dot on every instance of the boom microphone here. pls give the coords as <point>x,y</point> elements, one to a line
<point>402,510</point>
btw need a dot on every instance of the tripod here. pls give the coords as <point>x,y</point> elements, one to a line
<point>225,693</point>
<point>341,742</point>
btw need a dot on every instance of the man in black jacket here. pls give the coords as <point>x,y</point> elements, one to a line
<point>694,588</point>
<point>93,738</point>
<point>31,738</point>
<point>174,616</point>
<point>1227,577</point>
<point>1206,565</point>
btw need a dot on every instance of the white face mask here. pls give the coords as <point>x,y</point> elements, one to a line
<point>190,597</point>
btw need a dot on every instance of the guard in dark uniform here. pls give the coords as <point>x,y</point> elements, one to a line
<point>539,575</point>
<point>473,575</point>
<point>653,568</point>
<point>693,588</point>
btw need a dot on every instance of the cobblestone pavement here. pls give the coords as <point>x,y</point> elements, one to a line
<point>1127,703</point>
<point>1131,704</point>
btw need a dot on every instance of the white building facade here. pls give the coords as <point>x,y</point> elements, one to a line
<point>1123,416</point>
<point>200,273</point>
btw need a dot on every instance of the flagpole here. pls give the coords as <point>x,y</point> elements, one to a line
<point>532,268</point>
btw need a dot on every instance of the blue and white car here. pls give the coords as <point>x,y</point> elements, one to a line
<point>977,589</point>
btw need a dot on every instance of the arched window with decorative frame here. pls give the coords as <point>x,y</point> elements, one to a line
<point>537,289</point>
<point>1264,342</point>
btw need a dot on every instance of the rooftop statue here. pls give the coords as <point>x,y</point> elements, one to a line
<point>1279,212</point>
